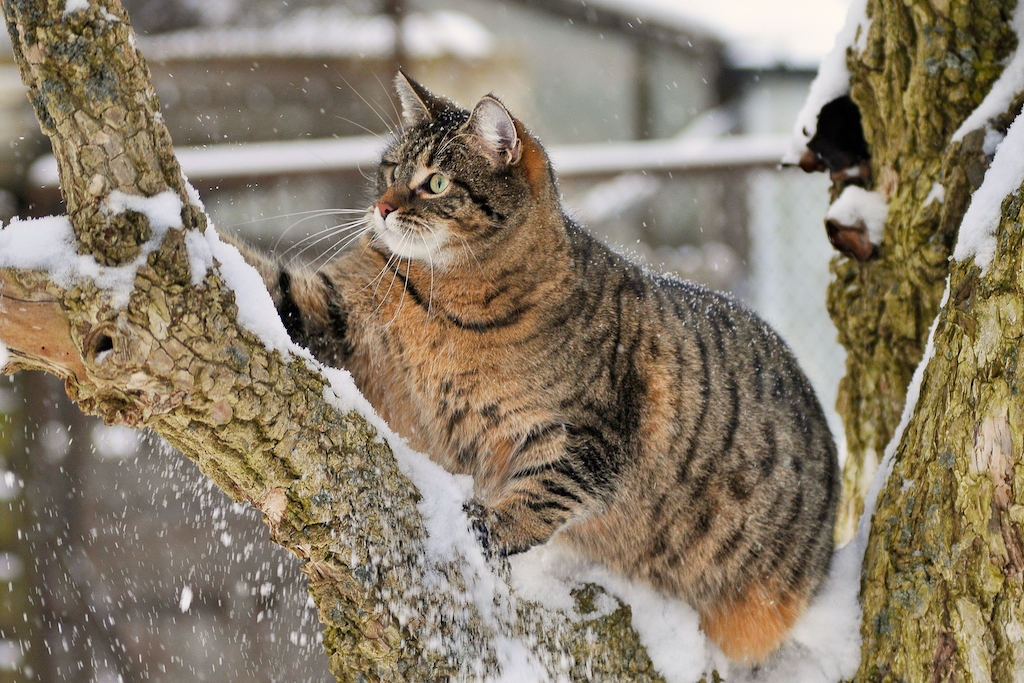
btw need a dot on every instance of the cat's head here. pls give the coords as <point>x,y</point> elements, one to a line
<point>455,183</point>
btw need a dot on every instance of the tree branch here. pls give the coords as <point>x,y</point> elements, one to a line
<point>174,358</point>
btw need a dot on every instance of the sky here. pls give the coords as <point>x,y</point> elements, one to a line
<point>758,32</point>
<point>797,32</point>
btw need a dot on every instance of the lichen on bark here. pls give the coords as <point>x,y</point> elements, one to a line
<point>942,584</point>
<point>90,87</point>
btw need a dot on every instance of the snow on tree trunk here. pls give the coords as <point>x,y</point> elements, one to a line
<point>168,353</point>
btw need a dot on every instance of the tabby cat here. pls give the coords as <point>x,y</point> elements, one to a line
<point>645,422</point>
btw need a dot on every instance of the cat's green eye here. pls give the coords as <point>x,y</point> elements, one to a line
<point>437,183</point>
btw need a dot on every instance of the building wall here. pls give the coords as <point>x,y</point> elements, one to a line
<point>581,80</point>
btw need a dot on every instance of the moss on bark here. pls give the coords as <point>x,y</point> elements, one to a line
<point>942,583</point>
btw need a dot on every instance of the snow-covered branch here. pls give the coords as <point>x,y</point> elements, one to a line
<point>154,322</point>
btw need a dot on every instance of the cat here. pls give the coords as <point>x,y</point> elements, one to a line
<point>646,422</point>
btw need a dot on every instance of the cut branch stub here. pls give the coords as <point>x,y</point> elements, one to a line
<point>35,327</point>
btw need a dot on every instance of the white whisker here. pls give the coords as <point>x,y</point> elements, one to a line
<point>405,289</point>
<point>328,256</point>
<point>448,142</point>
<point>479,265</point>
<point>430,291</point>
<point>391,284</point>
<point>339,233</point>
<point>389,125</point>
<point>387,93</point>
<point>330,230</point>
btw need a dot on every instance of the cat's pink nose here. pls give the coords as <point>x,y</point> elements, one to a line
<point>384,209</point>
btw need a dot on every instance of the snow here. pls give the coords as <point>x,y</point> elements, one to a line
<point>115,441</point>
<point>833,79</point>
<point>185,601</point>
<point>936,194</point>
<point>993,138</point>
<point>315,32</point>
<point>825,643</point>
<point>256,310</point>
<point>11,567</point>
<point>10,486</point>
<point>1004,90</point>
<point>163,210</point>
<point>12,655</point>
<point>48,244</point>
<point>669,628</point>
<point>857,205</point>
<point>75,6</point>
<point>4,356</point>
<point>40,243</point>
<point>200,256</point>
<point>1004,177</point>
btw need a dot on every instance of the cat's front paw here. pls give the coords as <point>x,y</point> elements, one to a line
<point>477,515</point>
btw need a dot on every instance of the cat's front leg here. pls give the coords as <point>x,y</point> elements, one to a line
<point>310,303</point>
<point>547,486</point>
<point>509,529</point>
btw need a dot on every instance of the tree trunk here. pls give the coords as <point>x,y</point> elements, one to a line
<point>941,583</point>
<point>175,359</point>
<point>924,71</point>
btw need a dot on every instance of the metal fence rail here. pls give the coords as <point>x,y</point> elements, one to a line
<point>717,210</point>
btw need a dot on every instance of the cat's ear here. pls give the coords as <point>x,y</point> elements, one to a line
<point>416,100</point>
<point>496,132</point>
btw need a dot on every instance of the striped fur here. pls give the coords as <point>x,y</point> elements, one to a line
<point>646,422</point>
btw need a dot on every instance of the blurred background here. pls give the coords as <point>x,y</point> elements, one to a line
<point>665,119</point>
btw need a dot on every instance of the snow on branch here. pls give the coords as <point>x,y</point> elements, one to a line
<point>833,79</point>
<point>1007,87</point>
<point>1004,177</point>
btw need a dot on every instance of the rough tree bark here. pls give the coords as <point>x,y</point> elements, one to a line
<point>174,359</point>
<point>941,584</point>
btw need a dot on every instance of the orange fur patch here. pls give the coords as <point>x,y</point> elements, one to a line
<point>534,160</point>
<point>494,469</point>
<point>752,627</point>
